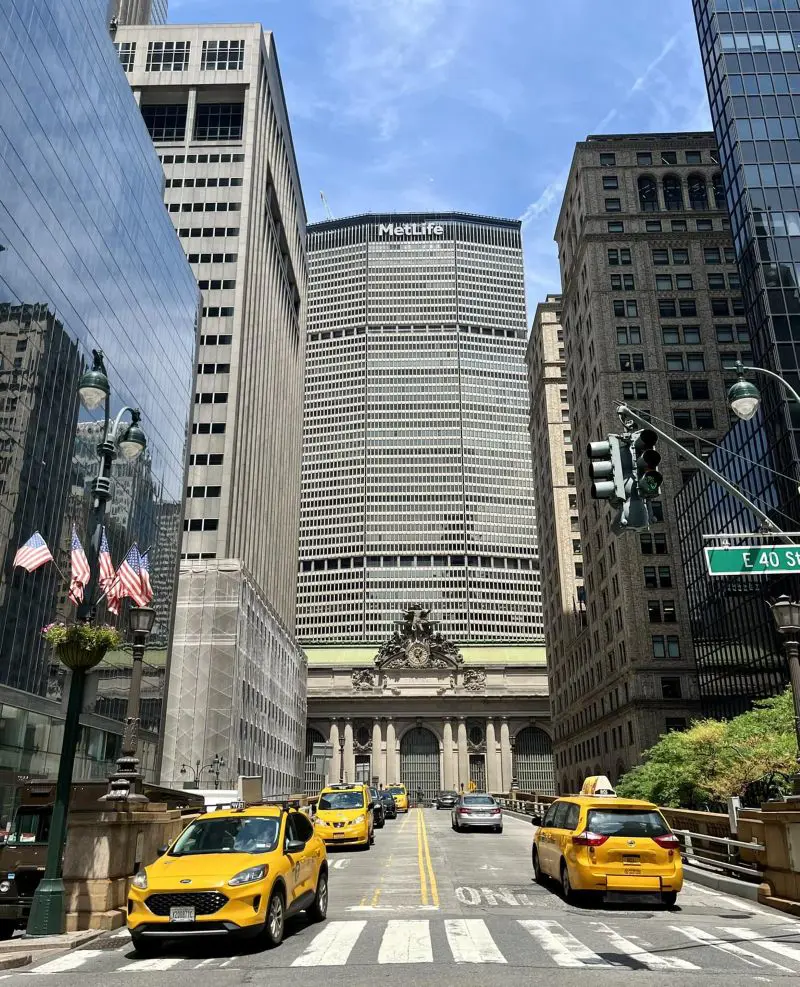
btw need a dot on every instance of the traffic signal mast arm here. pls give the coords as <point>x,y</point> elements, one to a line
<point>625,413</point>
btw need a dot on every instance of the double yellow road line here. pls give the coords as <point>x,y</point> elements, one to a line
<point>427,879</point>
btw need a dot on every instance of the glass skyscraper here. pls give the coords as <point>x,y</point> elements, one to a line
<point>88,260</point>
<point>417,479</point>
<point>751,59</point>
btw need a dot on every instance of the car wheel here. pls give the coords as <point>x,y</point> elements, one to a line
<point>276,919</point>
<point>319,907</point>
<point>145,947</point>
<point>567,891</point>
<point>7,929</point>
<point>669,898</point>
<point>538,875</point>
<point>498,829</point>
<point>381,824</point>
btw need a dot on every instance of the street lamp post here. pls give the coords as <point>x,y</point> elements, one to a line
<point>125,783</point>
<point>787,619</point>
<point>47,907</point>
<point>213,766</point>
<point>744,397</point>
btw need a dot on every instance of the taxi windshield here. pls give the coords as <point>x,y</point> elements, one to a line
<point>397,790</point>
<point>341,800</point>
<point>626,822</point>
<point>234,834</point>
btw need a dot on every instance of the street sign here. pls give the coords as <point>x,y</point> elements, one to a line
<point>753,560</point>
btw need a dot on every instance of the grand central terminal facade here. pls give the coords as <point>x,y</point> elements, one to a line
<point>428,714</point>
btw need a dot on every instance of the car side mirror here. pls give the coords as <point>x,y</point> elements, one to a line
<point>536,820</point>
<point>372,805</point>
<point>295,846</point>
<point>162,850</point>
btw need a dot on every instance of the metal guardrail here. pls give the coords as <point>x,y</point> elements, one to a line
<point>726,859</point>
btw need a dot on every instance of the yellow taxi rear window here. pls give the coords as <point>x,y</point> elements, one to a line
<point>341,800</point>
<point>626,822</point>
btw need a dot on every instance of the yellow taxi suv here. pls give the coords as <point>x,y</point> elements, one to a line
<point>345,816</point>
<point>239,872</point>
<point>597,843</point>
<point>400,796</point>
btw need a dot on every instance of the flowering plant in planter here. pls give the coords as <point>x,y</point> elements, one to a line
<point>81,645</point>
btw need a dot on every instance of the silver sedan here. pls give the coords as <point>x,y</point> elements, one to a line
<point>477,811</point>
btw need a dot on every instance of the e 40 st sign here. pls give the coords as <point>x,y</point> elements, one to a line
<point>747,560</point>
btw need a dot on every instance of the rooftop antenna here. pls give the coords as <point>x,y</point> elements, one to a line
<point>327,207</point>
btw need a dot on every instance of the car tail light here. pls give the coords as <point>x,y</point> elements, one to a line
<point>463,812</point>
<point>587,838</point>
<point>669,841</point>
<point>496,811</point>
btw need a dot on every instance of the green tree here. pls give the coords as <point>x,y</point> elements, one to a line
<point>751,756</point>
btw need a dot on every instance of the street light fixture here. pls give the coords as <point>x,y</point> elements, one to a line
<point>212,766</point>
<point>125,784</point>
<point>744,397</point>
<point>47,913</point>
<point>787,619</point>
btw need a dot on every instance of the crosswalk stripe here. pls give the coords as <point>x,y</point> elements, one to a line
<point>406,941</point>
<point>471,942</point>
<point>782,948</point>
<point>69,961</point>
<point>746,955</point>
<point>565,949</point>
<point>332,947</point>
<point>148,966</point>
<point>636,952</point>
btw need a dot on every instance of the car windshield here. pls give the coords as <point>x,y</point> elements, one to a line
<point>626,822</point>
<point>341,800</point>
<point>386,796</point>
<point>397,790</point>
<point>31,826</point>
<point>232,834</point>
<point>478,800</point>
<point>447,795</point>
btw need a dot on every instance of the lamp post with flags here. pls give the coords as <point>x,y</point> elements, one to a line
<point>90,570</point>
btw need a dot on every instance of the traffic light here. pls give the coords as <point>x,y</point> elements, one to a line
<point>648,478</point>
<point>605,469</point>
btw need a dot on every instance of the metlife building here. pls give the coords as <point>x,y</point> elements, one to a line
<point>417,480</point>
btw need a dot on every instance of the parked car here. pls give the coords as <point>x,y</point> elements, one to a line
<point>446,800</point>
<point>389,804</point>
<point>378,810</point>
<point>477,810</point>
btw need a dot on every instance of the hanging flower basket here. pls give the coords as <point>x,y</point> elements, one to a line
<point>81,645</point>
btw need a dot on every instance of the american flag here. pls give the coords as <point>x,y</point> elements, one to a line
<point>33,553</point>
<point>147,589</point>
<point>108,578</point>
<point>80,569</point>
<point>130,577</point>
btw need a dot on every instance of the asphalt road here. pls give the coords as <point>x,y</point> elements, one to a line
<point>428,906</point>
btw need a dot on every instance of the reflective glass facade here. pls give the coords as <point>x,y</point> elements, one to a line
<point>417,479</point>
<point>88,260</point>
<point>751,59</point>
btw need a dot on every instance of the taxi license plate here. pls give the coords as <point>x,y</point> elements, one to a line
<point>631,859</point>
<point>182,914</point>
<point>339,836</point>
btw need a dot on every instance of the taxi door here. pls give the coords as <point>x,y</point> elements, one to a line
<point>297,872</point>
<point>545,843</point>
<point>567,827</point>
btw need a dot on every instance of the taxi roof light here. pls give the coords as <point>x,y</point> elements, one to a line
<point>598,785</point>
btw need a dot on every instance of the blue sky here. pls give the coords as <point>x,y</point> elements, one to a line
<point>472,105</point>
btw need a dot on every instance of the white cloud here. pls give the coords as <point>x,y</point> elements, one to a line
<point>549,197</point>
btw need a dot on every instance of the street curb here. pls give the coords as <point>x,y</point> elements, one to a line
<point>721,882</point>
<point>70,940</point>
<point>12,960</point>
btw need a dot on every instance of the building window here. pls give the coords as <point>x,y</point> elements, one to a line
<point>682,419</point>
<point>684,282</point>
<point>673,193</point>
<point>648,194</point>
<point>674,723</point>
<point>663,282</point>
<point>712,255</point>
<point>653,226</point>
<point>219,121</point>
<point>127,54</point>
<point>678,225</point>
<point>613,205</point>
<point>631,361</point>
<point>654,611</point>
<point>616,226</point>
<point>680,255</point>
<point>698,194</point>
<point>671,688</point>
<point>653,543</point>
<point>705,225</point>
<point>678,390</point>
<point>608,159</point>
<point>719,191</point>
<point>165,121</point>
<point>610,182</point>
<point>167,56</point>
<point>666,646</point>
<point>667,308</point>
<point>644,158</point>
<point>670,335</point>
<point>687,306</point>
<point>720,306</point>
<point>700,390</point>
<point>629,335</point>
<point>221,55</point>
<point>660,257</point>
<point>703,419</point>
<point>669,157</point>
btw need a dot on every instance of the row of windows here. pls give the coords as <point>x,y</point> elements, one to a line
<point>203,491</point>
<point>217,398</point>
<point>608,159</point>
<point>201,158</point>
<point>214,311</point>
<point>204,206</point>
<point>206,459</point>
<point>212,340</point>
<point>213,121</point>
<point>208,231</point>
<point>415,561</point>
<point>201,524</point>
<point>676,225</point>
<point>216,284</point>
<point>212,258</point>
<point>203,182</point>
<point>208,428</point>
<point>173,56</point>
<point>690,335</point>
<point>213,368</point>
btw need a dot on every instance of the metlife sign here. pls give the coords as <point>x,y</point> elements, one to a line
<point>410,229</point>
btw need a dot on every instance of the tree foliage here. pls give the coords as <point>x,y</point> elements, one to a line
<point>752,756</point>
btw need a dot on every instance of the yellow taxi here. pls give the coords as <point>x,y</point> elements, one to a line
<point>400,796</point>
<point>237,872</point>
<point>345,816</point>
<point>596,842</point>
